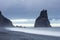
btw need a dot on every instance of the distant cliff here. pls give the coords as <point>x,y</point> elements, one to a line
<point>42,20</point>
<point>4,22</point>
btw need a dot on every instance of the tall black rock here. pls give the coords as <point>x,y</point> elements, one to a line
<point>4,22</point>
<point>42,20</point>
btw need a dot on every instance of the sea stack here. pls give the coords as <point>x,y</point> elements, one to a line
<point>42,20</point>
<point>4,22</point>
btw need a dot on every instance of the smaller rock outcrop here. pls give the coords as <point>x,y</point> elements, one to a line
<point>4,22</point>
<point>42,20</point>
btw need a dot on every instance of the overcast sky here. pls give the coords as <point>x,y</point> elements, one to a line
<point>29,9</point>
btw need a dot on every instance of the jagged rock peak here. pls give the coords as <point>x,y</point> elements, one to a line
<point>42,20</point>
<point>4,22</point>
<point>43,14</point>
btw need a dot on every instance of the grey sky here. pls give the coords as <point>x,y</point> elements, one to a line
<point>29,8</point>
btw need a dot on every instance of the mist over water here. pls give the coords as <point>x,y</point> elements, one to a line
<point>55,31</point>
<point>30,22</point>
<point>14,33</point>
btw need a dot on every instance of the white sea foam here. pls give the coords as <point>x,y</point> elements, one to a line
<point>40,31</point>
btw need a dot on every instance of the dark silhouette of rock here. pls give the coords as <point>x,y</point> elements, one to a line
<point>42,20</point>
<point>4,22</point>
